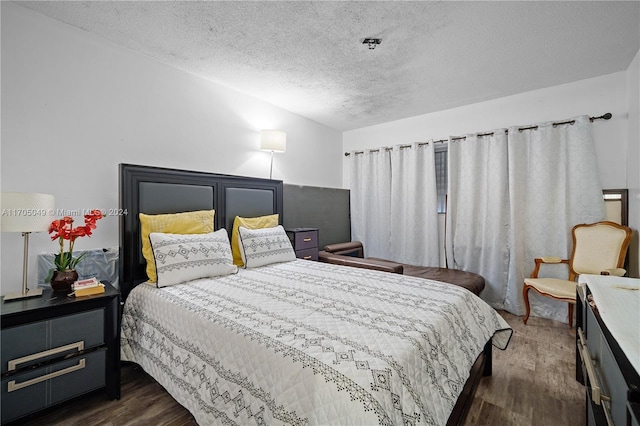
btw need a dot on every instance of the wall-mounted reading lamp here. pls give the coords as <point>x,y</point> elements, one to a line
<point>274,141</point>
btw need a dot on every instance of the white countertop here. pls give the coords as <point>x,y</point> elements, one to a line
<point>618,302</point>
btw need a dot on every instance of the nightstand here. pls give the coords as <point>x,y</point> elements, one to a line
<point>54,348</point>
<point>305,242</point>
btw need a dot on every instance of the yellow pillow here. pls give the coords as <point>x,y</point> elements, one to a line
<point>196,222</point>
<point>259,222</point>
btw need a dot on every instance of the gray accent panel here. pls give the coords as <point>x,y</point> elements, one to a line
<point>24,401</point>
<point>163,198</point>
<point>91,377</point>
<point>87,327</point>
<point>22,341</point>
<point>327,209</point>
<point>160,198</point>
<point>613,381</point>
<point>246,202</point>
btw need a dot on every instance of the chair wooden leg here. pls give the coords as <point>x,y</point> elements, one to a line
<point>570,315</point>
<point>525,295</point>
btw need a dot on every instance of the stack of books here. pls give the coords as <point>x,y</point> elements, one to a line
<point>87,287</point>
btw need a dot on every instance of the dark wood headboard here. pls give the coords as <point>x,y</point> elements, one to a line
<point>156,190</point>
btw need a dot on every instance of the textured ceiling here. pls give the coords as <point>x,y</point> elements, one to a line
<point>307,57</point>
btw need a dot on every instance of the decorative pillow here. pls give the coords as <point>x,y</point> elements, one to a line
<point>250,223</point>
<point>196,222</point>
<point>184,257</point>
<point>264,246</point>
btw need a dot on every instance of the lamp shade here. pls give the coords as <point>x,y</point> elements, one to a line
<point>273,140</point>
<point>26,211</point>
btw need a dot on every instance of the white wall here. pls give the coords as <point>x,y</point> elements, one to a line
<point>617,148</point>
<point>591,97</point>
<point>633,162</point>
<point>75,105</point>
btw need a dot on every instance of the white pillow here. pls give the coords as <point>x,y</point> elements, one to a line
<point>264,246</point>
<point>184,257</point>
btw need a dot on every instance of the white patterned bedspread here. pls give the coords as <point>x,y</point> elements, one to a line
<point>309,343</point>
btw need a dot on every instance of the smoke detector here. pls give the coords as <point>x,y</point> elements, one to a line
<point>372,42</point>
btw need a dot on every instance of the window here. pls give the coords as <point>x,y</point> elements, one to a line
<point>441,176</point>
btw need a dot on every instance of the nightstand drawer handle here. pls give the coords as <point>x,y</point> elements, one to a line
<point>15,362</point>
<point>306,240</point>
<point>596,390</point>
<point>13,386</point>
<point>307,257</point>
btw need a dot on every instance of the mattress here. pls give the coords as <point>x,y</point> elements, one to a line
<point>309,343</point>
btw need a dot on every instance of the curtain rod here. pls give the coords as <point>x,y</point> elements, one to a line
<point>606,116</point>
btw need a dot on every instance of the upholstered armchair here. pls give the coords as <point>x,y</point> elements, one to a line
<point>599,248</point>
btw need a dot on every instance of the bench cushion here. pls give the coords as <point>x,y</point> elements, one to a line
<point>469,280</point>
<point>351,253</point>
<point>358,262</point>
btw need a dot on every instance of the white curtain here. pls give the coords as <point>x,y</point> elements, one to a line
<point>553,185</point>
<point>477,228</point>
<point>394,204</point>
<point>515,197</point>
<point>371,201</point>
<point>414,200</point>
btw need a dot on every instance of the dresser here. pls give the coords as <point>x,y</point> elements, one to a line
<point>54,348</point>
<point>304,242</point>
<point>603,365</point>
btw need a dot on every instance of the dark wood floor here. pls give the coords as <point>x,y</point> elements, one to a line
<point>532,384</point>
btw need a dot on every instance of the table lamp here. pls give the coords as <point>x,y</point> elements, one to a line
<point>26,212</point>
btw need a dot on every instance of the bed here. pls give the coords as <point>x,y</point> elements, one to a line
<point>295,341</point>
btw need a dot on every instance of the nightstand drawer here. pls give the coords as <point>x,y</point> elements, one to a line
<point>33,343</point>
<point>308,254</point>
<point>55,348</point>
<point>305,240</point>
<point>33,390</point>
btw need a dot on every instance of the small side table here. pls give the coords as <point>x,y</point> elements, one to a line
<point>305,242</point>
<point>55,348</point>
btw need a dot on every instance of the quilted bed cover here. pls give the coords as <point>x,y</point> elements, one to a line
<point>308,343</point>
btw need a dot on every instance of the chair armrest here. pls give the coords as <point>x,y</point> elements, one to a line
<point>617,272</point>
<point>546,260</point>
<point>353,248</point>
<point>357,262</point>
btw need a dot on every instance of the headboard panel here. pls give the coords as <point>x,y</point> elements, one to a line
<point>156,190</point>
<point>246,202</point>
<point>152,199</point>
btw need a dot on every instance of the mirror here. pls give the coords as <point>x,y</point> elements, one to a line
<point>615,203</point>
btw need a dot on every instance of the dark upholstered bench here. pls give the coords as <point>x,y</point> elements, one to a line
<point>352,254</point>
<point>469,280</point>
